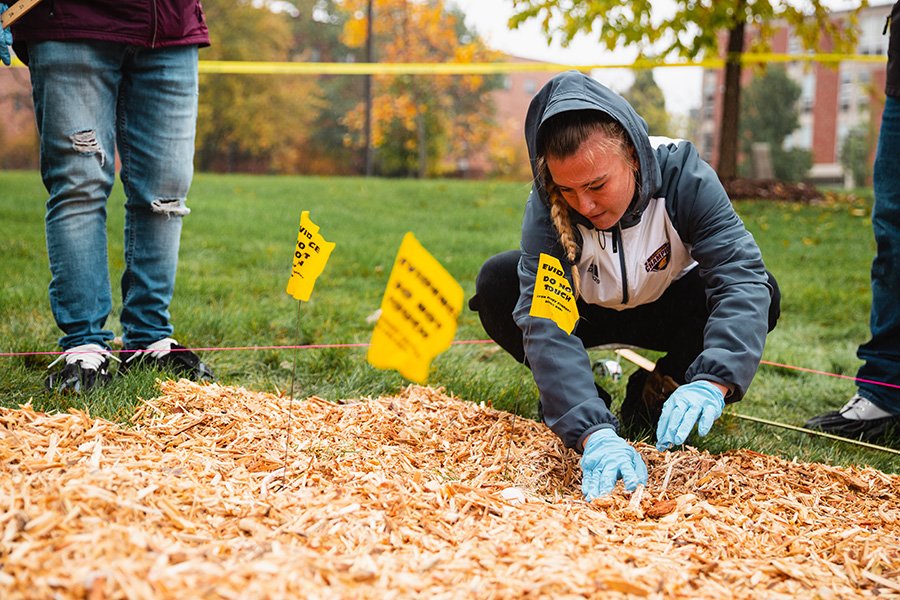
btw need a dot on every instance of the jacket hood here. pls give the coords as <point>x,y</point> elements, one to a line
<point>574,90</point>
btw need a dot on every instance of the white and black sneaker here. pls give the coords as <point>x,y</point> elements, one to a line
<point>859,419</point>
<point>85,367</point>
<point>168,355</point>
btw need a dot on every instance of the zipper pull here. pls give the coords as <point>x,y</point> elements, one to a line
<point>615,242</point>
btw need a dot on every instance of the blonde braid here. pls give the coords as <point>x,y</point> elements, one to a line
<point>559,212</point>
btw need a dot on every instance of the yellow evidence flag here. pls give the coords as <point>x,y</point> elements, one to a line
<point>419,313</point>
<point>310,255</point>
<point>553,298</point>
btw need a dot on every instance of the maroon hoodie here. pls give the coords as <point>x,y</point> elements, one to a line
<point>145,23</point>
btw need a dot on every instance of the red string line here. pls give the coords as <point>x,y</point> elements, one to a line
<point>838,375</point>
<point>455,343</point>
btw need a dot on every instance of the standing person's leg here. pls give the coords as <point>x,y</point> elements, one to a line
<point>875,409</point>
<point>157,117</point>
<point>882,353</point>
<point>74,85</point>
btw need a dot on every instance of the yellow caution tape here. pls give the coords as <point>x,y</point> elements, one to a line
<point>232,67</point>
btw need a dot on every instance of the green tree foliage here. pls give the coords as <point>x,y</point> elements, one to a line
<point>252,122</point>
<point>692,30</point>
<point>855,155</point>
<point>648,100</point>
<point>769,114</point>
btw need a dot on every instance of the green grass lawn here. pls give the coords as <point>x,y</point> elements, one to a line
<point>236,257</point>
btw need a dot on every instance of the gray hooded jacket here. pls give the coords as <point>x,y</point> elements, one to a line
<point>680,219</point>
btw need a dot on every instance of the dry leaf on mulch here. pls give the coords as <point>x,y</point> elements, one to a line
<point>416,495</point>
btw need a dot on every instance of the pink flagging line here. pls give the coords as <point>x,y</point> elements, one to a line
<point>230,348</point>
<point>455,343</point>
<point>839,376</point>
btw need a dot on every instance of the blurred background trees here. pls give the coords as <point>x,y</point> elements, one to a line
<point>769,115</point>
<point>422,125</point>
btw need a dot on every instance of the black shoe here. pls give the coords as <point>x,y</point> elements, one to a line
<point>645,395</point>
<point>167,355</point>
<point>859,419</point>
<point>604,395</point>
<point>85,367</point>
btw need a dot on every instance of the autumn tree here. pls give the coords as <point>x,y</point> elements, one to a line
<point>693,30</point>
<point>421,124</point>
<point>252,122</point>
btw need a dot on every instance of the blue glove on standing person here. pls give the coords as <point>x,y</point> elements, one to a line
<point>5,40</point>
<point>697,403</point>
<point>606,459</point>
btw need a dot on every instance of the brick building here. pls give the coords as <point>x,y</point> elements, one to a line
<point>833,101</point>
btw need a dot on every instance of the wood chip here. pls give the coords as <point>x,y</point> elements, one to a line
<point>419,494</point>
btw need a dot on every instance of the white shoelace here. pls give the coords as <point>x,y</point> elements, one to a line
<point>91,356</point>
<point>860,409</point>
<point>157,349</point>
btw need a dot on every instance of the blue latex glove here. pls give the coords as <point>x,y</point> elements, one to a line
<point>697,403</point>
<point>608,458</point>
<point>5,40</point>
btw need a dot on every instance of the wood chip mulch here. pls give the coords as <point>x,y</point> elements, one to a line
<point>418,495</point>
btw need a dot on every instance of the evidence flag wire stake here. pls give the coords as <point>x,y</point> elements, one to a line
<point>287,440</point>
<point>512,427</point>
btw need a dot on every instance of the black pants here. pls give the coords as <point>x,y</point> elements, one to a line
<point>672,324</point>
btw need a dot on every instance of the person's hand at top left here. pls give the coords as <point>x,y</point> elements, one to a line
<point>6,40</point>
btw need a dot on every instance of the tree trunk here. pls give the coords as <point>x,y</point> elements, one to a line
<point>421,144</point>
<point>367,91</point>
<point>731,103</point>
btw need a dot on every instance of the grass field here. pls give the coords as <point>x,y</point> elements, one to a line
<point>236,257</point>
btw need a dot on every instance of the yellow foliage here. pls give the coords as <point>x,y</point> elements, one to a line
<point>453,106</point>
<point>355,33</point>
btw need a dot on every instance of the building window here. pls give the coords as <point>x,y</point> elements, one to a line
<point>708,141</point>
<point>808,92</point>
<point>800,138</point>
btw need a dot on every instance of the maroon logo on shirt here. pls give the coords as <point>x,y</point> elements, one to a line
<point>659,260</point>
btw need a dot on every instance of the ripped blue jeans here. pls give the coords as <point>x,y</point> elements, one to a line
<point>882,353</point>
<point>90,99</point>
